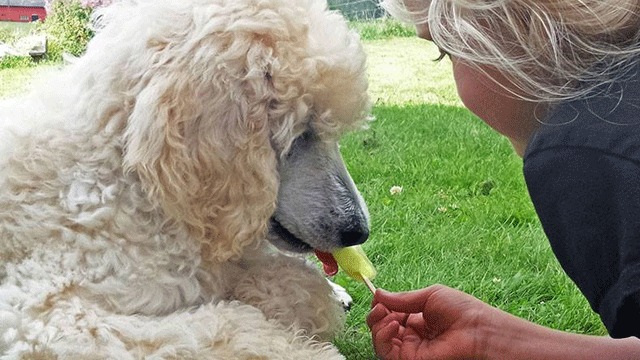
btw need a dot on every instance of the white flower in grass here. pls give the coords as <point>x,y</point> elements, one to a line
<point>395,190</point>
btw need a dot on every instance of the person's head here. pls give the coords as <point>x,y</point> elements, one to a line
<point>539,50</point>
<point>550,49</point>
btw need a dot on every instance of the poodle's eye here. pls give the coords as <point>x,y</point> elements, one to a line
<point>303,138</point>
<point>291,151</point>
<point>306,136</point>
<point>300,142</point>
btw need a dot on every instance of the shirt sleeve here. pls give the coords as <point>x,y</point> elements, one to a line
<point>588,202</point>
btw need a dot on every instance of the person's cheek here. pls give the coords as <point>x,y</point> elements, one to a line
<point>508,115</point>
<point>474,92</point>
<point>423,32</point>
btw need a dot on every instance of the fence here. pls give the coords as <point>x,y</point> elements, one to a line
<point>358,9</point>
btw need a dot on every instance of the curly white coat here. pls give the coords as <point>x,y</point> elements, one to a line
<point>136,186</point>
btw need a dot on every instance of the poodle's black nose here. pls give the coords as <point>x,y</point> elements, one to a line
<point>354,237</point>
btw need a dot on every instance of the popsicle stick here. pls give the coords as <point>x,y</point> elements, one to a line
<point>369,284</point>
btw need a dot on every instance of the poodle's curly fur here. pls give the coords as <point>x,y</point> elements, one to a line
<point>137,185</point>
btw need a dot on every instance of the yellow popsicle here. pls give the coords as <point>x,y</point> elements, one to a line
<point>355,263</point>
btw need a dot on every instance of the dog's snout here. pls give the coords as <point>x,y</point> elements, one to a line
<point>354,237</point>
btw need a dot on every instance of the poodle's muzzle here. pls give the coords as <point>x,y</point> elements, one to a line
<point>319,207</point>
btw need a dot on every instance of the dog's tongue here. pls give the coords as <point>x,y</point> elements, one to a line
<point>328,262</point>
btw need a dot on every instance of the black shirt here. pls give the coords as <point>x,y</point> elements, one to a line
<point>582,169</point>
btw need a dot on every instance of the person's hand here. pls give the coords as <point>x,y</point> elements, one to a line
<point>436,322</point>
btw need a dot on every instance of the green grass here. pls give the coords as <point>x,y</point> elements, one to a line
<point>20,27</point>
<point>10,31</point>
<point>463,219</point>
<point>14,81</point>
<point>382,28</point>
<point>16,72</point>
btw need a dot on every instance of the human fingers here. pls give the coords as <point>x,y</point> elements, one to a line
<point>380,316</point>
<point>386,342</point>
<point>416,322</point>
<point>377,313</point>
<point>374,301</point>
<point>408,302</point>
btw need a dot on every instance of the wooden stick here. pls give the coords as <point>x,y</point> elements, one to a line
<point>369,284</point>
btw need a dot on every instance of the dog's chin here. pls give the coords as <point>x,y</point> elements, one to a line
<point>284,240</point>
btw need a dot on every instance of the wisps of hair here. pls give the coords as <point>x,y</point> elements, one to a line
<point>550,50</point>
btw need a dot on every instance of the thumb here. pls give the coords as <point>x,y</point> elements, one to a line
<point>407,302</point>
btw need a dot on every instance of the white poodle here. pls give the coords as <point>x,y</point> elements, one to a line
<point>138,188</point>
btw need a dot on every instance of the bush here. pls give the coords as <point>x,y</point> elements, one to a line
<point>96,3</point>
<point>67,28</point>
<point>382,28</point>
<point>12,62</point>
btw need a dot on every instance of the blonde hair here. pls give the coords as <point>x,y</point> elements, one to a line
<point>550,50</point>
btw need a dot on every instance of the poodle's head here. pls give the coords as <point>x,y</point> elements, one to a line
<point>234,112</point>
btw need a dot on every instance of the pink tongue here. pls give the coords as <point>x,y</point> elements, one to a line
<point>328,262</point>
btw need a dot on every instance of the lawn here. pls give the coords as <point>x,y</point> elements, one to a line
<point>17,27</point>
<point>11,31</point>
<point>17,80</point>
<point>463,218</point>
<point>14,80</point>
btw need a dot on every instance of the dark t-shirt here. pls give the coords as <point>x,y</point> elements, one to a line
<point>582,169</point>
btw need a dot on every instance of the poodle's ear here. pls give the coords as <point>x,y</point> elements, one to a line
<point>202,152</point>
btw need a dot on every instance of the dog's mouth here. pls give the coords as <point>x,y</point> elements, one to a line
<point>286,238</point>
<point>283,238</point>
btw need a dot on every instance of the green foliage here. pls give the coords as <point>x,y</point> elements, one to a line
<point>7,35</point>
<point>382,28</point>
<point>67,26</point>
<point>12,31</point>
<point>11,62</point>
